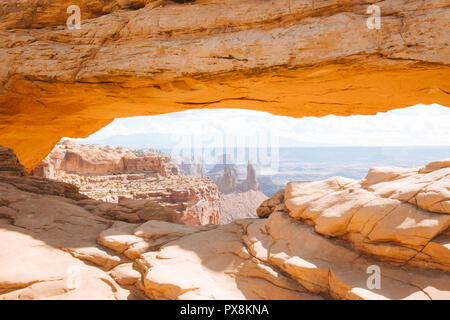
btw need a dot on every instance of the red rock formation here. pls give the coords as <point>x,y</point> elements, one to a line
<point>9,164</point>
<point>228,183</point>
<point>70,157</point>
<point>274,203</point>
<point>110,174</point>
<point>238,200</point>
<point>250,182</point>
<point>196,203</point>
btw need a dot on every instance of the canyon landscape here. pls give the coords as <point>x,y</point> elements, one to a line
<point>120,174</point>
<point>90,221</point>
<point>313,240</point>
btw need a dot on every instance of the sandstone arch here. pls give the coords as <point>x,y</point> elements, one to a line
<point>293,57</point>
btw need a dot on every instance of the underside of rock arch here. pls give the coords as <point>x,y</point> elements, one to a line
<point>143,57</point>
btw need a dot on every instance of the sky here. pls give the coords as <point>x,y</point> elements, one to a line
<point>419,125</point>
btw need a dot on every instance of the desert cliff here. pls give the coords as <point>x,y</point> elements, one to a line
<point>71,157</point>
<point>116,174</point>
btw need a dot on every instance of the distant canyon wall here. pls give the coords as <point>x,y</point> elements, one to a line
<point>119,174</point>
<point>70,157</point>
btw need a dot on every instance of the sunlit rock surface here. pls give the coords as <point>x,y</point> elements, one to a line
<point>396,214</point>
<point>326,238</point>
<point>320,241</point>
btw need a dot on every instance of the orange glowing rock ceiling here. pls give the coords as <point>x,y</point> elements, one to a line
<point>143,57</point>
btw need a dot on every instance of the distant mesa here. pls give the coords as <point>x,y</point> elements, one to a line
<point>70,157</point>
<point>117,174</point>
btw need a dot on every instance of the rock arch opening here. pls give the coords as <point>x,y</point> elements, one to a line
<point>391,217</point>
<point>213,166</point>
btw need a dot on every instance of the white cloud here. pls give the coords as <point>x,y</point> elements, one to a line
<point>413,126</point>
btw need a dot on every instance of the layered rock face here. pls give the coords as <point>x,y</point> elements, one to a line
<point>13,172</point>
<point>116,174</point>
<point>319,241</point>
<point>46,13</point>
<point>195,199</point>
<point>289,57</point>
<point>71,157</point>
<point>9,164</point>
